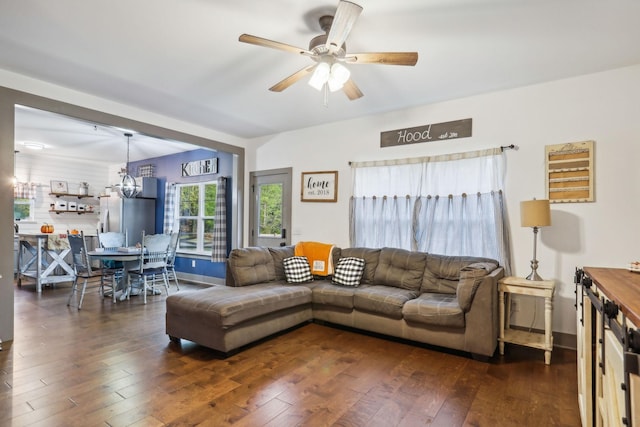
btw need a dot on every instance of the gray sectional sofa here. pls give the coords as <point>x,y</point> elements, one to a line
<point>447,301</point>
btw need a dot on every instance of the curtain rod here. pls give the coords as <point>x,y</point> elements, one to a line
<point>502,148</point>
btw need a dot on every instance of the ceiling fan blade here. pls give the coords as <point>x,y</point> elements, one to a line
<point>346,15</point>
<point>282,85</point>
<point>259,41</point>
<point>386,58</point>
<point>351,90</point>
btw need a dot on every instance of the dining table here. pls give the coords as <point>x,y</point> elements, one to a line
<point>129,257</point>
<point>41,256</point>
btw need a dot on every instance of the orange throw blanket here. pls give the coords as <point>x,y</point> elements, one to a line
<point>318,255</point>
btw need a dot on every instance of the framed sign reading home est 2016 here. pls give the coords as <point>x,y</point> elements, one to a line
<point>319,186</point>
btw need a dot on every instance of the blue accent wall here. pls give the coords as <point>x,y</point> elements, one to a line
<point>169,169</point>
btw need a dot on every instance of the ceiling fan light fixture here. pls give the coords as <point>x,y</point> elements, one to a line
<point>320,76</point>
<point>338,77</point>
<point>334,84</point>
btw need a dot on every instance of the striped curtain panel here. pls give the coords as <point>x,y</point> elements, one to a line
<point>219,244</point>
<point>24,190</point>
<point>170,191</point>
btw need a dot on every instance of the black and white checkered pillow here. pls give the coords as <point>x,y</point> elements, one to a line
<point>297,270</point>
<point>348,271</point>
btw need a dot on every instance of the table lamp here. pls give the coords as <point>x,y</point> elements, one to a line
<point>535,213</point>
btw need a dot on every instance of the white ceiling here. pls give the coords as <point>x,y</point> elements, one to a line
<point>71,138</point>
<point>182,58</point>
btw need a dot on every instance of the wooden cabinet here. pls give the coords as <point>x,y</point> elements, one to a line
<point>608,310</point>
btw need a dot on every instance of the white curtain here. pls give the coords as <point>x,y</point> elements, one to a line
<point>450,205</point>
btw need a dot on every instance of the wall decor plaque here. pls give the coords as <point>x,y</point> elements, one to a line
<point>200,167</point>
<point>319,186</point>
<point>570,172</point>
<point>59,187</point>
<point>427,133</point>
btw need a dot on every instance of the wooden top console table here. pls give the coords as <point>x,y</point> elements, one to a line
<point>620,286</point>
<point>608,346</point>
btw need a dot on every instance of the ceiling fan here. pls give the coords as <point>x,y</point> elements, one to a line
<point>329,53</point>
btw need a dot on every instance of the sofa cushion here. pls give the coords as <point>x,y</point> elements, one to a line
<point>470,278</point>
<point>384,300</point>
<point>442,272</point>
<point>400,268</point>
<point>325,293</point>
<point>251,265</point>
<point>434,309</point>
<point>279,254</point>
<point>297,270</point>
<point>225,306</point>
<point>348,271</point>
<point>370,257</point>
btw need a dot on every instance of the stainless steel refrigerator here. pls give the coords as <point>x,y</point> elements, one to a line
<point>131,215</point>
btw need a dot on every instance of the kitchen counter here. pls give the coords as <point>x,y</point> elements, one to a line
<point>40,255</point>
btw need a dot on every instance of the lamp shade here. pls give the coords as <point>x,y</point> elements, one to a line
<point>535,213</point>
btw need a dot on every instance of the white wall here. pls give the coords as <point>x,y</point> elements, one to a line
<point>603,107</point>
<point>42,170</point>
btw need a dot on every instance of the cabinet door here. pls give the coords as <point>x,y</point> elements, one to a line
<point>634,383</point>
<point>612,401</point>
<point>633,361</point>
<point>585,360</point>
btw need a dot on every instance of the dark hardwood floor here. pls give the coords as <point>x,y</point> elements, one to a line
<point>113,365</point>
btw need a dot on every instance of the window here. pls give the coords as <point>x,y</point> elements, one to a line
<point>270,197</point>
<point>195,217</point>
<point>23,210</point>
<point>450,205</point>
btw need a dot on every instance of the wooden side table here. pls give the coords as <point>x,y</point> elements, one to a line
<point>521,286</point>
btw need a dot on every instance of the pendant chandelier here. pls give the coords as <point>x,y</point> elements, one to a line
<point>128,187</point>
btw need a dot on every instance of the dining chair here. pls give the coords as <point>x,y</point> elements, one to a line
<point>152,266</point>
<point>171,260</point>
<point>111,241</point>
<point>82,268</point>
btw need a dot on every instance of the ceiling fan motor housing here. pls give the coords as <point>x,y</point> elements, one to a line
<point>318,44</point>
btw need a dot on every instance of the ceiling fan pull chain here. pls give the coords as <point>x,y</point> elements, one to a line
<point>326,95</point>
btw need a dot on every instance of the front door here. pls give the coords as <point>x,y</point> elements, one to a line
<point>270,208</point>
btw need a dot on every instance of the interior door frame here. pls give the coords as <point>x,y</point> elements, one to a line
<point>287,194</point>
<point>9,98</point>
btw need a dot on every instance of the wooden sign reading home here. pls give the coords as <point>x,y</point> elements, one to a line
<point>432,132</point>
